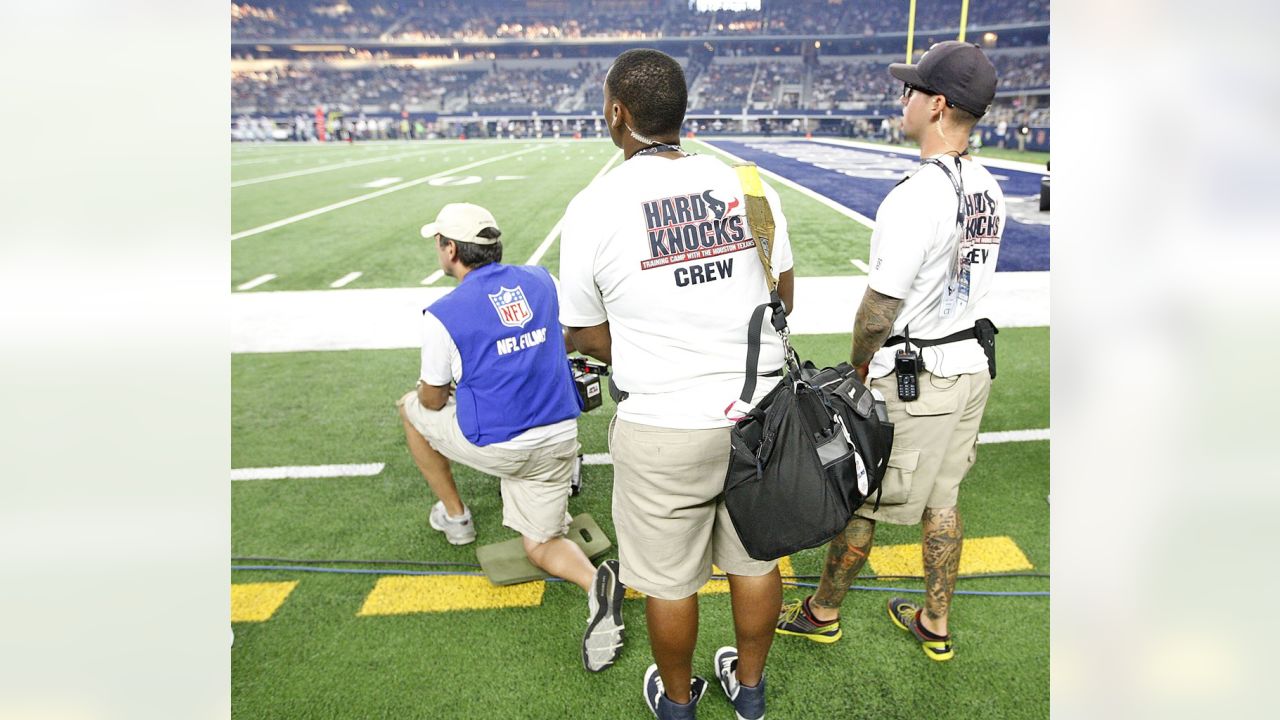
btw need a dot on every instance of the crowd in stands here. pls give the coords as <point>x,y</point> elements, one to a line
<point>769,81</point>
<point>832,84</point>
<point>835,83</point>
<point>291,89</point>
<point>270,19</point>
<point>564,19</point>
<point>725,87</point>
<point>525,90</point>
<point>1027,71</point>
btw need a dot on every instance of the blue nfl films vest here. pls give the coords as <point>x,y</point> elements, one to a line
<point>505,320</point>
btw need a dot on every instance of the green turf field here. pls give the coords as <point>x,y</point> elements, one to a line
<point>316,657</point>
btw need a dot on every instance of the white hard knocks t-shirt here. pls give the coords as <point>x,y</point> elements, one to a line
<point>911,251</point>
<point>660,248</point>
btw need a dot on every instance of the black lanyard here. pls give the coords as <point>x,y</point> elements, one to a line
<point>661,148</point>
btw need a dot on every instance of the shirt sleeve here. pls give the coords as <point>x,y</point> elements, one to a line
<point>903,235</point>
<point>782,259</point>
<point>580,302</point>
<point>441,363</point>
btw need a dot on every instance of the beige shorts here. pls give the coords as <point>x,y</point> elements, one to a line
<point>669,512</point>
<point>535,482</point>
<point>935,442</point>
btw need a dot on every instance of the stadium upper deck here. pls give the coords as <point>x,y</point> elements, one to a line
<point>409,21</point>
<point>499,59</point>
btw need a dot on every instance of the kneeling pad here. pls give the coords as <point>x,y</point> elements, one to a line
<point>506,564</point>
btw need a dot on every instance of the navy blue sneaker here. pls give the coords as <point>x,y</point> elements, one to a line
<point>661,706</point>
<point>748,702</point>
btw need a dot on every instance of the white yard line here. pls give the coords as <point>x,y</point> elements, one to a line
<point>536,257</point>
<point>428,280</point>
<point>988,161</point>
<point>845,211</point>
<point>307,471</point>
<point>546,243</point>
<point>324,168</point>
<point>375,194</point>
<point>1007,436</point>
<point>257,281</point>
<point>372,469</point>
<point>987,438</point>
<point>236,163</point>
<point>860,265</point>
<point>345,279</point>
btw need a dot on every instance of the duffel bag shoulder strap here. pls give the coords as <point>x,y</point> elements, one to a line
<point>759,218</point>
<point>753,346</point>
<point>760,221</point>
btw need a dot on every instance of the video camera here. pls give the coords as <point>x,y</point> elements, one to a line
<point>586,376</point>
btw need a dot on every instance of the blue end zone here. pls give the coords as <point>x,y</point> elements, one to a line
<point>860,179</point>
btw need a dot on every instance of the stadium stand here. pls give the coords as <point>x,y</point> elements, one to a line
<point>483,64</point>
<point>408,20</point>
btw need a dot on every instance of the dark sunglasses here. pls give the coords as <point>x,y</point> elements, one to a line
<point>908,88</point>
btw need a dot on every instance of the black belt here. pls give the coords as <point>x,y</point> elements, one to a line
<point>983,330</point>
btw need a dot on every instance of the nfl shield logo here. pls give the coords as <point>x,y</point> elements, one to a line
<point>513,309</point>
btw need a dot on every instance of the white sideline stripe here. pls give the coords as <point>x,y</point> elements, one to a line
<point>257,281</point>
<point>860,265</point>
<point>433,277</point>
<point>845,211</point>
<point>345,279</point>
<point>988,161</point>
<point>307,471</point>
<point>388,318</point>
<point>323,168</point>
<point>254,162</point>
<point>987,438</point>
<point>371,469</point>
<point>375,194</point>
<point>536,257</point>
<point>1008,436</point>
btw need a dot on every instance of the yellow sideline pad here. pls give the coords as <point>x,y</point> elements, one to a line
<point>506,564</point>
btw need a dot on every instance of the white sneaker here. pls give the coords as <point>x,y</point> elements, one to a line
<point>458,531</point>
<point>603,640</point>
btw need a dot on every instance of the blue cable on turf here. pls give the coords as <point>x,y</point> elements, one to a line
<point>367,571</point>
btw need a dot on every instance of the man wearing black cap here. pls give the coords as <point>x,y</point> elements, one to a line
<point>933,258</point>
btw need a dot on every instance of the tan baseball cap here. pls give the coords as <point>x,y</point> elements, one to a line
<point>461,222</point>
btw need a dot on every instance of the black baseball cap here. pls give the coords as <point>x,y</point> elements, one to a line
<point>958,70</point>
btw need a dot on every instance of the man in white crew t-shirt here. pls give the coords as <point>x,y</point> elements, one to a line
<point>933,260</point>
<point>659,277</point>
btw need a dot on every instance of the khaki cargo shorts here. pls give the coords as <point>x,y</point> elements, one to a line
<point>935,442</point>
<point>669,512</point>
<point>535,483</point>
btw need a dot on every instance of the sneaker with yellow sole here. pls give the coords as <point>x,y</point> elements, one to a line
<point>906,615</point>
<point>797,619</point>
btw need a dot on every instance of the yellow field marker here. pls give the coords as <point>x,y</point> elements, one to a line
<point>402,595</point>
<point>980,555</point>
<point>257,602</point>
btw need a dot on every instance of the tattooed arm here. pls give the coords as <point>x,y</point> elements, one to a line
<point>871,327</point>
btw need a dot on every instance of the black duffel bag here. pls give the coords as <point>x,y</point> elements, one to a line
<point>807,456</point>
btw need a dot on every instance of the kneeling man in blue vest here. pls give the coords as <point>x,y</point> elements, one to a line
<point>496,394</point>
